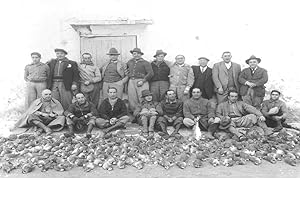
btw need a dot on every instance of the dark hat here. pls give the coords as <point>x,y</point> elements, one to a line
<point>225,123</point>
<point>253,57</point>
<point>203,58</point>
<point>159,52</point>
<point>113,51</point>
<point>146,93</point>
<point>61,50</point>
<point>36,53</point>
<point>275,90</point>
<point>138,50</point>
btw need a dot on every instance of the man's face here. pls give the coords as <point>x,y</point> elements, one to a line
<point>148,98</point>
<point>136,55</point>
<point>196,93</point>
<point>112,93</point>
<point>275,96</point>
<point>226,57</point>
<point>253,63</point>
<point>35,59</point>
<point>60,55</point>
<point>233,97</point>
<point>113,57</point>
<point>80,98</point>
<point>180,59</point>
<point>46,95</point>
<point>171,95</point>
<point>86,58</point>
<point>203,62</point>
<point>160,57</point>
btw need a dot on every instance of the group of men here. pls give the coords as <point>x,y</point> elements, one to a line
<point>160,93</point>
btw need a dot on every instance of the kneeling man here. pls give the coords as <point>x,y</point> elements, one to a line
<point>46,113</point>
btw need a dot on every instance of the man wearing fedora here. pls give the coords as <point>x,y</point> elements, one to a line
<point>181,78</point>
<point>90,78</point>
<point>139,73</point>
<point>225,76</point>
<point>113,73</point>
<point>204,81</point>
<point>64,77</point>
<point>159,83</point>
<point>253,80</point>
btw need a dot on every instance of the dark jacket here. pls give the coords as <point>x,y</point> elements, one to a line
<point>139,69</point>
<point>81,110</point>
<point>161,71</point>
<point>171,109</point>
<point>70,73</point>
<point>201,107</point>
<point>147,105</point>
<point>260,77</point>
<point>207,86</point>
<point>107,112</point>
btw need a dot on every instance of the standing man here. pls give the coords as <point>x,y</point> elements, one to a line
<point>36,75</point>
<point>113,73</point>
<point>253,80</point>
<point>275,111</point>
<point>64,77</point>
<point>159,83</point>
<point>225,76</point>
<point>171,114</point>
<point>140,72</point>
<point>90,78</point>
<point>181,78</point>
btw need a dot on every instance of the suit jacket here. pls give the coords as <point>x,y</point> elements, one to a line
<point>220,75</point>
<point>121,69</point>
<point>260,77</point>
<point>208,85</point>
<point>70,73</point>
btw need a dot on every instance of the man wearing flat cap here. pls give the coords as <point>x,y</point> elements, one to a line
<point>36,76</point>
<point>253,80</point>
<point>204,81</point>
<point>139,73</point>
<point>225,76</point>
<point>159,83</point>
<point>64,77</point>
<point>113,73</point>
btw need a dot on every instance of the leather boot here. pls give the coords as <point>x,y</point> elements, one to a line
<point>116,126</point>
<point>89,131</point>
<point>163,131</point>
<point>71,131</point>
<point>278,127</point>
<point>151,125</point>
<point>39,124</point>
<point>236,133</point>
<point>266,129</point>
<point>177,127</point>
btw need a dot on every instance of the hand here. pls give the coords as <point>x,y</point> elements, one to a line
<point>82,118</point>
<point>262,118</point>
<point>44,114</point>
<point>140,83</point>
<point>250,84</point>
<point>74,87</point>
<point>112,120</point>
<point>87,82</point>
<point>220,90</point>
<point>277,117</point>
<point>170,120</point>
<point>211,120</point>
<point>75,119</point>
<point>52,115</point>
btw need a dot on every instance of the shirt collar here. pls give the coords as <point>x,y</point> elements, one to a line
<point>38,64</point>
<point>169,102</point>
<point>254,68</point>
<point>228,65</point>
<point>203,68</point>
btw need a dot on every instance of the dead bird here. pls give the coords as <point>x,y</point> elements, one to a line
<point>121,164</point>
<point>239,160</point>
<point>255,160</point>
<point>197,163</point>
<point>181,164</point>
<point>214,161</point>
<point>290,161</point>
<point>228,162</point>
<point>7,167</point>
<point>27,167</point>
<point>88,166</point>
<point>271,157</point>
<point>138,164</point>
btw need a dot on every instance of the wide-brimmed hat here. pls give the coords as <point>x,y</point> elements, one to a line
<point>225,123</point>
<point>61,50</point>
<point>203,58</point>
<point>146,93</point>
<point>138,50</point>
<point>159,52</point>
<point>113,51</point>
<point>253,57</point>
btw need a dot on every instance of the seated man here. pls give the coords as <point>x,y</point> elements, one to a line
<point>275,111</point>
<point>198,107</point>
<point>171,114</point>
<point>112,112</point>
<point>146,113</point>
<point>80,114</point>
<point>46,113</point>
<point>241,114</point>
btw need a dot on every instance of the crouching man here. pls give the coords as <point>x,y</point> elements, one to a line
<point>171,114</point>
<point>241,114</point>
<point>199,108</point>
<point>80,114</point>
<point>112,112</point>
<point>146,113</point>
<point>46,113</point>
<point>275,111</point>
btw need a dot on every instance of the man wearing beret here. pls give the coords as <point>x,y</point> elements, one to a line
<point>159,83</point>
<point>225,76</point>
<point>64,77</point>
<point>204,81</point>
<point>253,80</point>
<point>36,76</point>
<point>275,111</point>
<point>139,72</point>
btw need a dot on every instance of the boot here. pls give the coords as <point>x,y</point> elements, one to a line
<point>177,127</point>
<point>71,131</point>
<point>39,124</point>
<point>116,126</point>
<point>236,133</point>
<point>278,127</point>
<point>145,126</point>
<point>266,129</point>
<point>89,131</point>
<point>151,125</point>
<point>163,129</point>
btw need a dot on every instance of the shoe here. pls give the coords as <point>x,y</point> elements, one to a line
<point>277,129</point>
